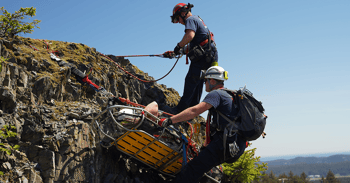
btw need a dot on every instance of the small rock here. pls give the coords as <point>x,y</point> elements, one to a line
<point>24,180</point>
<point>6,166</point>
<point>74,115</point>
<point>46,63</point>
<point>19,173</point>
<point>16,53</point>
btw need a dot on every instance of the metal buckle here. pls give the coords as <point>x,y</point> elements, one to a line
<point>233,148</point>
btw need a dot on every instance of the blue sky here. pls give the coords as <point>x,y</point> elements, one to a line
<point>293,55</point>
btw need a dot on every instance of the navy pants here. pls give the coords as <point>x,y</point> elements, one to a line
<point>193,84</point>
<point>208,158</point>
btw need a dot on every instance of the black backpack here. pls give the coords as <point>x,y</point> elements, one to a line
<point>251,115</point>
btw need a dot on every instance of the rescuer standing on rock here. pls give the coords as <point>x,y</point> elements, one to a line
<point>201,51</point>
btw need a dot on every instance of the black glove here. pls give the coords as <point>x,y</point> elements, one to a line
<point>177,49</point>
<point>164,122</point>
<point>169,54</point>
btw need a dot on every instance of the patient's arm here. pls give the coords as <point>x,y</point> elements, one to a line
<point>152,108</point>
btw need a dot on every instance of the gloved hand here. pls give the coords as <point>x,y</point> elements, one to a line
<point>164,122</point>
<point>177,49</point>
<point>169,54</point>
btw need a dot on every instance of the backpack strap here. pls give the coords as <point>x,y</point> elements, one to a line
<point>230,130</point>
<point>207,129</point>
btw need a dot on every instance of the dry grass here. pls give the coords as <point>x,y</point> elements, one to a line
<point>76,54</point>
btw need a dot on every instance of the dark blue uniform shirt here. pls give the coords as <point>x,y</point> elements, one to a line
<point>221,101</point>
<point>196,24</point>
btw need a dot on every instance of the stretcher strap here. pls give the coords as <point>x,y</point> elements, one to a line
<point>207,130</point>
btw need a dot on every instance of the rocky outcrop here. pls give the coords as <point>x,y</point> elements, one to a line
<point>52,112</point>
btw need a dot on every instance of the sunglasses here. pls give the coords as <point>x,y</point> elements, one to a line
<point>175,19</point>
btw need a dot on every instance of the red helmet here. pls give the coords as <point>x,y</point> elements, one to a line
<point>178,9</point>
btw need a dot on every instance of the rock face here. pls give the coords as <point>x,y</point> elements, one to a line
<point>52,112</point>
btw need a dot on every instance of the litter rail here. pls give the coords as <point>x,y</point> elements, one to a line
<point>135,132</point>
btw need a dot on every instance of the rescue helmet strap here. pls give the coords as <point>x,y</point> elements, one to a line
<point>213,86</point>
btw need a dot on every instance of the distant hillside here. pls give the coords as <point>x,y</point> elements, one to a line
<point>271,158</point>
<point>338,164</point>
<point>341,168</point>
<point>310,160</point>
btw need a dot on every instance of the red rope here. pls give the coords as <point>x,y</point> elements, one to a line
<point>190,141</point>
<point>47,47</point>
<point>127,101</point>
<point>33,48</point>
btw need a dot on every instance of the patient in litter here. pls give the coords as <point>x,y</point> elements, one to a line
<point>146,121</point>
<point>131,118</point>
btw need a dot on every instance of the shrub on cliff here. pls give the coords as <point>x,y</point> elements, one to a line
<point>245,169</point>
<point>12,24</point>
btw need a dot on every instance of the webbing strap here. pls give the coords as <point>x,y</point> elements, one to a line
<point>207,129</point>
<point>229,130</point>
<point>207,40</point>
<point>227,119</point>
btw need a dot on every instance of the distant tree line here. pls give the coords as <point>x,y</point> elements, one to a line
<point>341,168</point>
<point>292,178</point>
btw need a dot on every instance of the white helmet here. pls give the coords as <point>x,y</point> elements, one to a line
<point>215,72</point>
